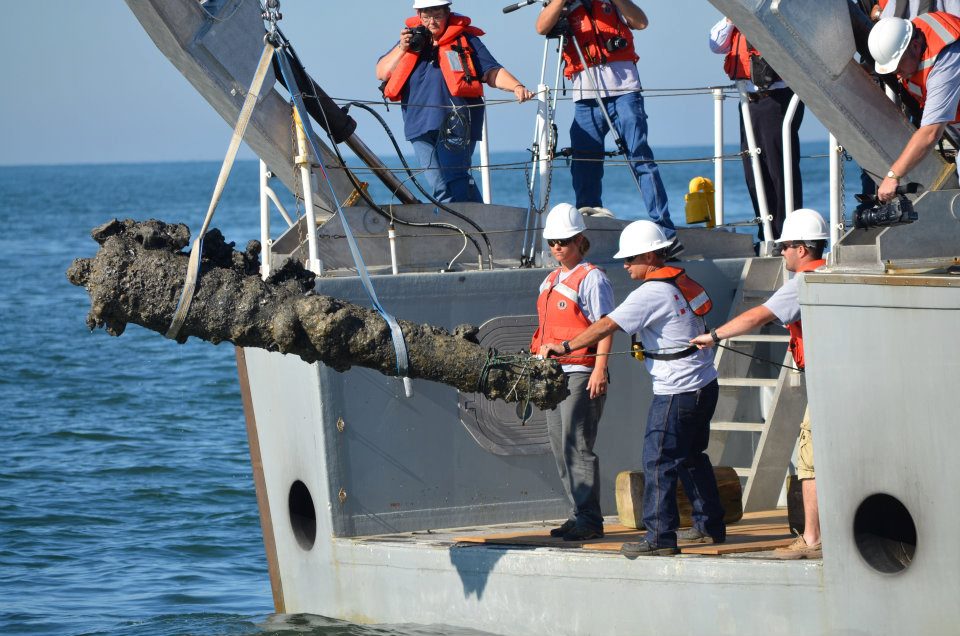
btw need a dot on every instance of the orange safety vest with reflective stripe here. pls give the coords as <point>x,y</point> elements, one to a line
<point>560,316</point>
<point>592,29</point>
<point>455,56</point>
<point>796,328</point>
<point>736,64</point>
<point>940,30</point>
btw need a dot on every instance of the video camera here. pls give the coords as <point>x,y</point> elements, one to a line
<point>872,213</point>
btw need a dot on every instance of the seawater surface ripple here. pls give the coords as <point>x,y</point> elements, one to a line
<point>126,498</point>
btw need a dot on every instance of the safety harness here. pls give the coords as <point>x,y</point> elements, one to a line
<point>696,298</point>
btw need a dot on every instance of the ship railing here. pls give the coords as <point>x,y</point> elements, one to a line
<point>538,182</point>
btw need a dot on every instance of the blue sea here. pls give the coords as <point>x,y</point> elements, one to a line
<point>127,505</point>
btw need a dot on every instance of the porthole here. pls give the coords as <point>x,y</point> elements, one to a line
<point>885,534</point>
<point>303,515</point>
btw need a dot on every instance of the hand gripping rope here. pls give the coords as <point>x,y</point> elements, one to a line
<point>399,345</point>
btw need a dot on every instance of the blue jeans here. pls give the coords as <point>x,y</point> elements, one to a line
<point>678,431</point>
<point>586,137</point>
<point>447,170</point>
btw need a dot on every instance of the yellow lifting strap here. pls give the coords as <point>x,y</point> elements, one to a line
<point>193,266</point>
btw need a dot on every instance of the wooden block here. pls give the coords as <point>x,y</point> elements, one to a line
<point>630,497</point>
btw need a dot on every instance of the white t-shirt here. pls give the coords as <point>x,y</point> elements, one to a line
<point>661,317</point>
<point>943,87</point>
<point>785,302</point>
<point>950,6</point>
<point>595,300</point>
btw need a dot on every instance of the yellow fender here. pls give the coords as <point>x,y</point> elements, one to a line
<point>700,202</point>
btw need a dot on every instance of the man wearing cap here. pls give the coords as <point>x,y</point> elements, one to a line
<point>571,298</point>
<point>802,243</point>
<point>925,55</point>
<point>439,82</point>
<point>603,29</point>
<point>665,312</point>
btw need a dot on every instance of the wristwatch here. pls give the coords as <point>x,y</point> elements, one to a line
<point>716,338</point>
<point>893,175</point>
<point>566,346</point>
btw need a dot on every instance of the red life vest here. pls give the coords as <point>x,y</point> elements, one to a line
<point>592,30</point>
<point>940,30</point>
<point>796,328</point>
<point>455,56</point>
<point>560,317</point>
<point>737,62</point>
<point>697,299</point>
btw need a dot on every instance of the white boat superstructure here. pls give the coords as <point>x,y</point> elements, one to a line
<point>365,494</point>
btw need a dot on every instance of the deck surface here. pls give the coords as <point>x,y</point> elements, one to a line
<point>754,536</point>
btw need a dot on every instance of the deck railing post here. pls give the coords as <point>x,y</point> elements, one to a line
<point>485,185</point>
<point>787,140</point>
<point>836,190</point>
<point>718,155</point>
<point>767,247</point>
<point>265,245</point>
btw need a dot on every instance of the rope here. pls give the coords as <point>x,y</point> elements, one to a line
<point>399,345</point>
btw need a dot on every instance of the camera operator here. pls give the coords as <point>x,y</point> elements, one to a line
<point>602,29</point>
<point>437,71</point>
<point>925,55</point>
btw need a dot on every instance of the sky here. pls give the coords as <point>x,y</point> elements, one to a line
<point>85,84</point>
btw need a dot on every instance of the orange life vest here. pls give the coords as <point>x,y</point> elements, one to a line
<point>456,61</point>
<point>940,30</point>
<point>697,299</point>
<point>592,30</point>
<point>737,62</point>
<point>796,328</point>
<point>558,309</point>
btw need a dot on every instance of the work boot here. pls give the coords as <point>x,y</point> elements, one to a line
<point>643,548</point>
<point>692,535</point>
<point>583,533</point>
<point>800,550</point>
<point>675,250</point>
<point>564,529</point>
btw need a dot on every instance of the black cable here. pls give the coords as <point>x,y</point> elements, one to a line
<point>413,179</point>
<point>363,194</point>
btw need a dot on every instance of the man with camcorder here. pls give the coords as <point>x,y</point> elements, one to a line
<point>437,71</point>
<point>601,61</point>
<point>925,55</point>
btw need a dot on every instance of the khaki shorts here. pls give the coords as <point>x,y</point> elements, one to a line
<point>805,453</point>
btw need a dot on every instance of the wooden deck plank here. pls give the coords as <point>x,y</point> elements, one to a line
<point>757,531</point>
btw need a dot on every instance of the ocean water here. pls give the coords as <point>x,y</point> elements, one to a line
<point>126,499</point>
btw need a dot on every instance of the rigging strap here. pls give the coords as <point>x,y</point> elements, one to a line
<point>193,265</point>
<point>399,345</point>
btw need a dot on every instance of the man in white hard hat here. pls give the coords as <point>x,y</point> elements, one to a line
<point>437,71</point>
<point>802,243</point>
<point>665,311</point>
<point>571,298</point>
<point>925,54</point>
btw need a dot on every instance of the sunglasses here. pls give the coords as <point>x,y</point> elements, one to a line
<point>559,242</point>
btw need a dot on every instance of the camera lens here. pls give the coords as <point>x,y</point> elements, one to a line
<point>615,43</point>
<point>419,38</point>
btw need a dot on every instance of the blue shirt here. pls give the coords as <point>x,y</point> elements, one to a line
<point>425,99</point>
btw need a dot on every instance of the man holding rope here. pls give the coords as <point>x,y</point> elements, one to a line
<point>665,312</point>
<point>802,243</point>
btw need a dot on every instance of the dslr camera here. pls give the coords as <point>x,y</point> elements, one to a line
<point>420,37</point>
<point>615,43</point>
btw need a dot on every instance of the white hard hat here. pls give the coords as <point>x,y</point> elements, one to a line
<point>426,4</point>
<point>804,225</point>
<point>641,237</point>
<point>563,221</point>
<point>888,41</point>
